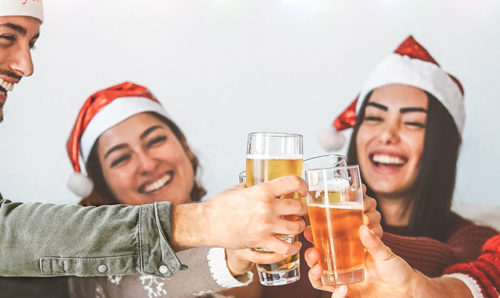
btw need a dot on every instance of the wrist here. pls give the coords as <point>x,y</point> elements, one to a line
<point>439,287</point>
<point>421,285</point>
<point>188,226</point>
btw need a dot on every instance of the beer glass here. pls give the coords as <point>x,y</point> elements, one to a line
<point>242,176</point>
<point>335,207</point>
<point>269,156</point>
<point>324,161</point>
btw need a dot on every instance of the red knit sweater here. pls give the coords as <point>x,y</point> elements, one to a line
<point>431,256</point>
<point>485,270</point>
<point>427,255</point>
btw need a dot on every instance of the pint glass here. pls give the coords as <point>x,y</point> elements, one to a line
<point>335,207</point>
<point>269,156</point>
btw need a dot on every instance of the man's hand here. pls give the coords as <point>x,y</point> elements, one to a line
<point>243,218</point>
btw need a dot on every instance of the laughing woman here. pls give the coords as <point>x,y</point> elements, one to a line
<point>408,122</point>
<point>134,154</point>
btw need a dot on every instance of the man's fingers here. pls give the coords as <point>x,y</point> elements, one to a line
<point>286,185</point>
<point>282,247</point>
<point>290,206</point>
<point>374,245</point>
<point>261,257</point>
<point>312,256</point>
<point>289,227</point>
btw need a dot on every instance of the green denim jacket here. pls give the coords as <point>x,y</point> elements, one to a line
<point>53,240</point>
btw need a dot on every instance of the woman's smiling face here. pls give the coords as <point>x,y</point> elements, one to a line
<point>390,139</point>
<point>143,162</point>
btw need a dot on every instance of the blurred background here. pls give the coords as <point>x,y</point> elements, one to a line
<point>225,68</point>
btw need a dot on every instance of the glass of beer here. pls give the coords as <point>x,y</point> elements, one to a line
<point>335,207</point>
<point>324,161</point>
<point>269,156</point>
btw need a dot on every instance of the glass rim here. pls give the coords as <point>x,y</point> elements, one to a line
<point>324,155</point>
<point>334,168</point>
<point>275,134</point>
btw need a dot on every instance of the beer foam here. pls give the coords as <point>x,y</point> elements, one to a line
<point>273,157</point>
<point>344,205</point>
<point>333,185</point>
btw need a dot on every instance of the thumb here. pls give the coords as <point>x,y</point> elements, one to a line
<point>374,245</point>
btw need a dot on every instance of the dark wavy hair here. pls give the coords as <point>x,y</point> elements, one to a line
<point>429,200</point>
<point>102,195</point>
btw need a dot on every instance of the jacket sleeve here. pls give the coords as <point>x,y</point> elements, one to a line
<point>54,240</point>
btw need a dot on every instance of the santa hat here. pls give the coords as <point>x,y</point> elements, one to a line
<point>29,8</point>
<point>412,65</point>
<point>101,111</point>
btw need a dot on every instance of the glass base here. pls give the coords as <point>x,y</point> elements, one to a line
<point>278,278</point>
<point>343,278</point>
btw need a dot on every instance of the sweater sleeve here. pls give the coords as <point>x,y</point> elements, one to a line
<point>198,280</point>
<point>431,256</point>
<point>468,241</point>
<point>485,270</point>
<point>427,255</point>
<point>54,240</point>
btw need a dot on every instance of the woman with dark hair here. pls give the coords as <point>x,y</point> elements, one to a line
<point>408,121</point>
<point>134,154</point>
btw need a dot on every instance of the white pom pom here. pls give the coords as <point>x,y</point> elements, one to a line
<point>331,139</point>
<point>80,184</point>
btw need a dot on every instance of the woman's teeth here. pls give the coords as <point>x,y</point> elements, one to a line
<point>386,159</point>
<point>158,184</point>
<point>6,85</point>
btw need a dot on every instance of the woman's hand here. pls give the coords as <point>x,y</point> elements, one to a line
<point>240,261</point>
<point>386,274</point>
<point>371,217</point>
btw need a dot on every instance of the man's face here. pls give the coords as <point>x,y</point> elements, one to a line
<point>18,35</point>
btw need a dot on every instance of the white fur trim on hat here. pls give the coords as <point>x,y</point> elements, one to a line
<point>398,69</point>
<point>30,8</point>
<point>331,139</point>
<point>114,113</point>
<point>80,184</point>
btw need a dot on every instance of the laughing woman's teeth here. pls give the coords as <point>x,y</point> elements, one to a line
<point>385,159</point>
<point>157,184</point>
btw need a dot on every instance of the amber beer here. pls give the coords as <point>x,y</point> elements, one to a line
<point>265,168</point>
<point>335,225</point>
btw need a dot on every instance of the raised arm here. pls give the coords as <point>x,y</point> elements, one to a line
<point>50,240</point>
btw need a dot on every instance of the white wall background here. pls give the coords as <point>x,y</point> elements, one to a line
<point>225,68</point>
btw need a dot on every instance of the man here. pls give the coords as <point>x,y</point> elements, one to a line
<point>51,240</point>
<point>388,275</point>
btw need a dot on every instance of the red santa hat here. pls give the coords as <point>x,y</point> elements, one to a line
<point>412,65</point>
<point>101,111</point>
<point>29,8</point>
